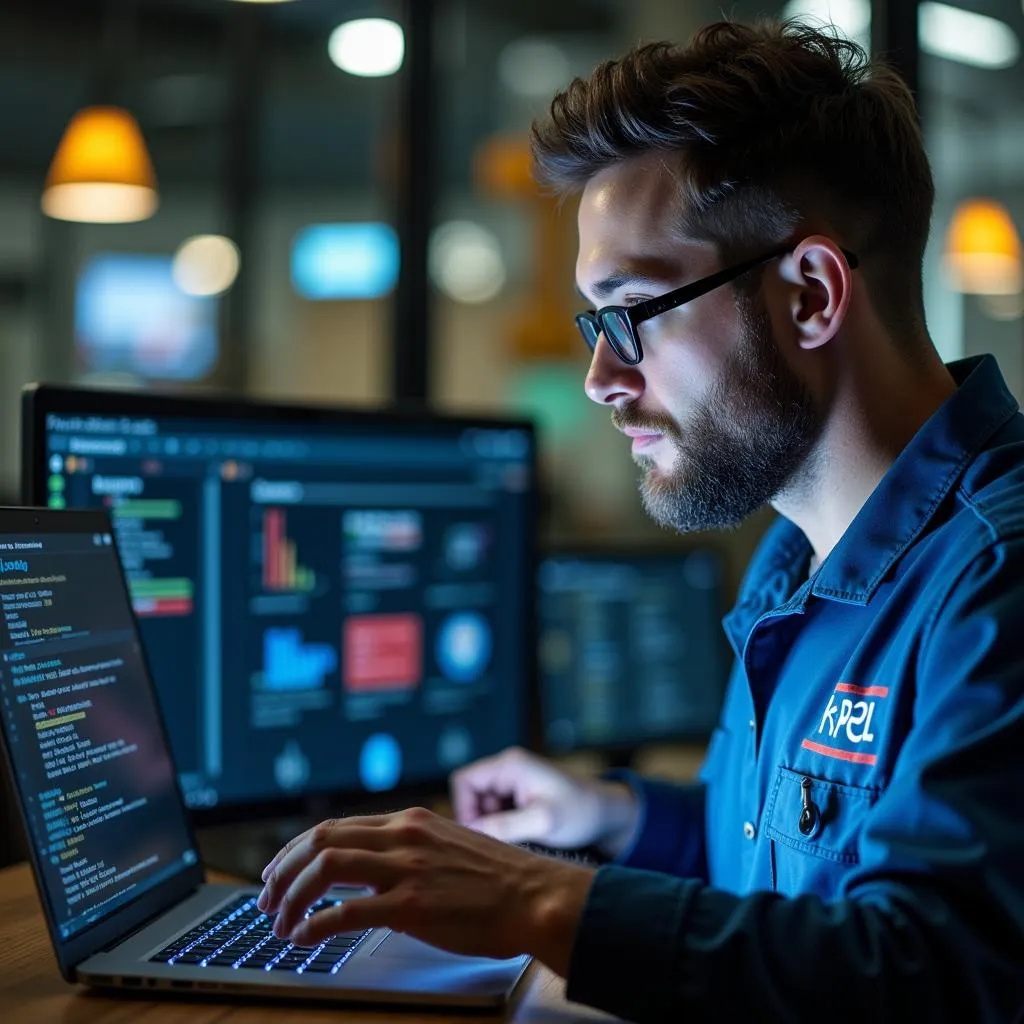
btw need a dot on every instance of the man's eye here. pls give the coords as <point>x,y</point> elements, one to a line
<point>633,300</point>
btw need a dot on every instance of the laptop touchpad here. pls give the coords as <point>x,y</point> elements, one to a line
<point>403,947</point>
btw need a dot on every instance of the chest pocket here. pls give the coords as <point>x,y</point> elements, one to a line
<point>814,826</point>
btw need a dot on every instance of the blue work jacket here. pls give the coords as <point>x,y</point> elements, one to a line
<point>854,849</point>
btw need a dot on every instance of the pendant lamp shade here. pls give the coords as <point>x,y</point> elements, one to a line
<point>101,172</point>
<point>983,250</point>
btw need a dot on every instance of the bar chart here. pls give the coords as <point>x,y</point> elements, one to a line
<point>281,571</point>
<point>289,663</point>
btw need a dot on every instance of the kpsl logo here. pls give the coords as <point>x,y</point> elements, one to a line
<point>848,719</point>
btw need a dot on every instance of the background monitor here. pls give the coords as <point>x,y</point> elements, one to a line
<point>132,317</point>
<point>631,648</point>
<point>332,602</point>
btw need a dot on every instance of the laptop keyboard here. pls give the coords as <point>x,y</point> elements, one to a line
<point>239,935</point>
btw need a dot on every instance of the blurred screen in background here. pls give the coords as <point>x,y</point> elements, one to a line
<point>132,317</point>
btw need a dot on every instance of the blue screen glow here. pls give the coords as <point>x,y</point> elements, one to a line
<point>131,317</point>
<point>345,261</point>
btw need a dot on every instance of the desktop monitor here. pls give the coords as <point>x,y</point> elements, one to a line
<point>632,650</point>
<point>132,317</point>
<point>334,603</point>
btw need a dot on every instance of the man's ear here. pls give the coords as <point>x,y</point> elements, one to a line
<point>822,286</point>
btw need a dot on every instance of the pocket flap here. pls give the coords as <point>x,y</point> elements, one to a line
<point>817,816</point>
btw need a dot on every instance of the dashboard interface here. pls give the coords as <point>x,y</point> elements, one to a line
<point>330,606</point>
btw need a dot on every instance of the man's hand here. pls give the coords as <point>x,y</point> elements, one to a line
<point>519,797</point>
<point>433,879</point>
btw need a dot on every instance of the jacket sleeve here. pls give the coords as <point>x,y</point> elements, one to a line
<point>929,925</point>
<point>669,836</point>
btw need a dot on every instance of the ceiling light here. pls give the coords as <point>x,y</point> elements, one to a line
<point>466,262</point>
<point>533,67</point>
<point>101,172</point>
<point>369,47</point>
<point>852,18</point>
<point>983,251</point>
<point>945,31</point>
<point>206,265</point>
<point>964,36</point>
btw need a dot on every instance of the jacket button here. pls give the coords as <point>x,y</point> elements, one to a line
<point>748,829</point>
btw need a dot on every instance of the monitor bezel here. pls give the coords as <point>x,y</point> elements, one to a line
<point>40,400</point>
<point>72,951</point>
<point>621,752</point>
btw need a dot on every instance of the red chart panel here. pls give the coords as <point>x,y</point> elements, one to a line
<point>382,652</point>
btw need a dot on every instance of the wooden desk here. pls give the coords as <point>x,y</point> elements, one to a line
<point>32,990</point>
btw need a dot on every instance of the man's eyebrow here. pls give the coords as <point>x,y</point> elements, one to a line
<point>660,275</point>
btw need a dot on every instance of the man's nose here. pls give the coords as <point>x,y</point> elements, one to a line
<point>609,380</point>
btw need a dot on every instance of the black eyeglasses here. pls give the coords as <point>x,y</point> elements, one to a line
<point>619,323</point>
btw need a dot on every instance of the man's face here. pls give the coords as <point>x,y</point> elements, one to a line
<point>720,422</point>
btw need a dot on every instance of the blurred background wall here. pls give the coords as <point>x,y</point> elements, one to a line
<point>256,134</point>
<point>325,168</point>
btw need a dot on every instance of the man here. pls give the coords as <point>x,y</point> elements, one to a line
<point>753,214</point>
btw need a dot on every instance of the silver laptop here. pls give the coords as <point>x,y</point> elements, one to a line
<point>112,849</point>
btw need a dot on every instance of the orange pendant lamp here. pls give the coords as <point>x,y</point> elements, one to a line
<point>101,172</point>
<point>983,250</point>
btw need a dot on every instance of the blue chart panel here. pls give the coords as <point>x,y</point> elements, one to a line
<point>464,646</point>
<point>289,664</point>
<point>380,762</point>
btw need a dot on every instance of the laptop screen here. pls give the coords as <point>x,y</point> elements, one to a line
<point>331,602</point>
<point>82,727</point>
<point>632,648</point>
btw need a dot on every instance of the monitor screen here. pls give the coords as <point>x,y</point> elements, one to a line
<point>82,728</point>
<point>332,603</point>
<point>631,648</point>
<point>131,317</point>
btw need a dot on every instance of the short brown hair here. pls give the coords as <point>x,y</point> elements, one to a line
<point>774,122</point>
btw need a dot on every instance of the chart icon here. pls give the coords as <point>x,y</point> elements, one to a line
<point>291,767</point>
<point>465,546</point>
<point>454,747</point>
<point>289,663</point>
<point>464,646</point>
<point>382,652</point>
<point>380,762</point>
<point>280,569</point>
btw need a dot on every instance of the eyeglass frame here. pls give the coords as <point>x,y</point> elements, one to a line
<point>633,316</point>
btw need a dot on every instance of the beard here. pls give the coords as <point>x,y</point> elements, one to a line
<point>745,443</point>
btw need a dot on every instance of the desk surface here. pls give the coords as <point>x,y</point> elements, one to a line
<point>31,988</point>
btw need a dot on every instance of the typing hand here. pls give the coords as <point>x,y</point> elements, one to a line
<point>431,878</point>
